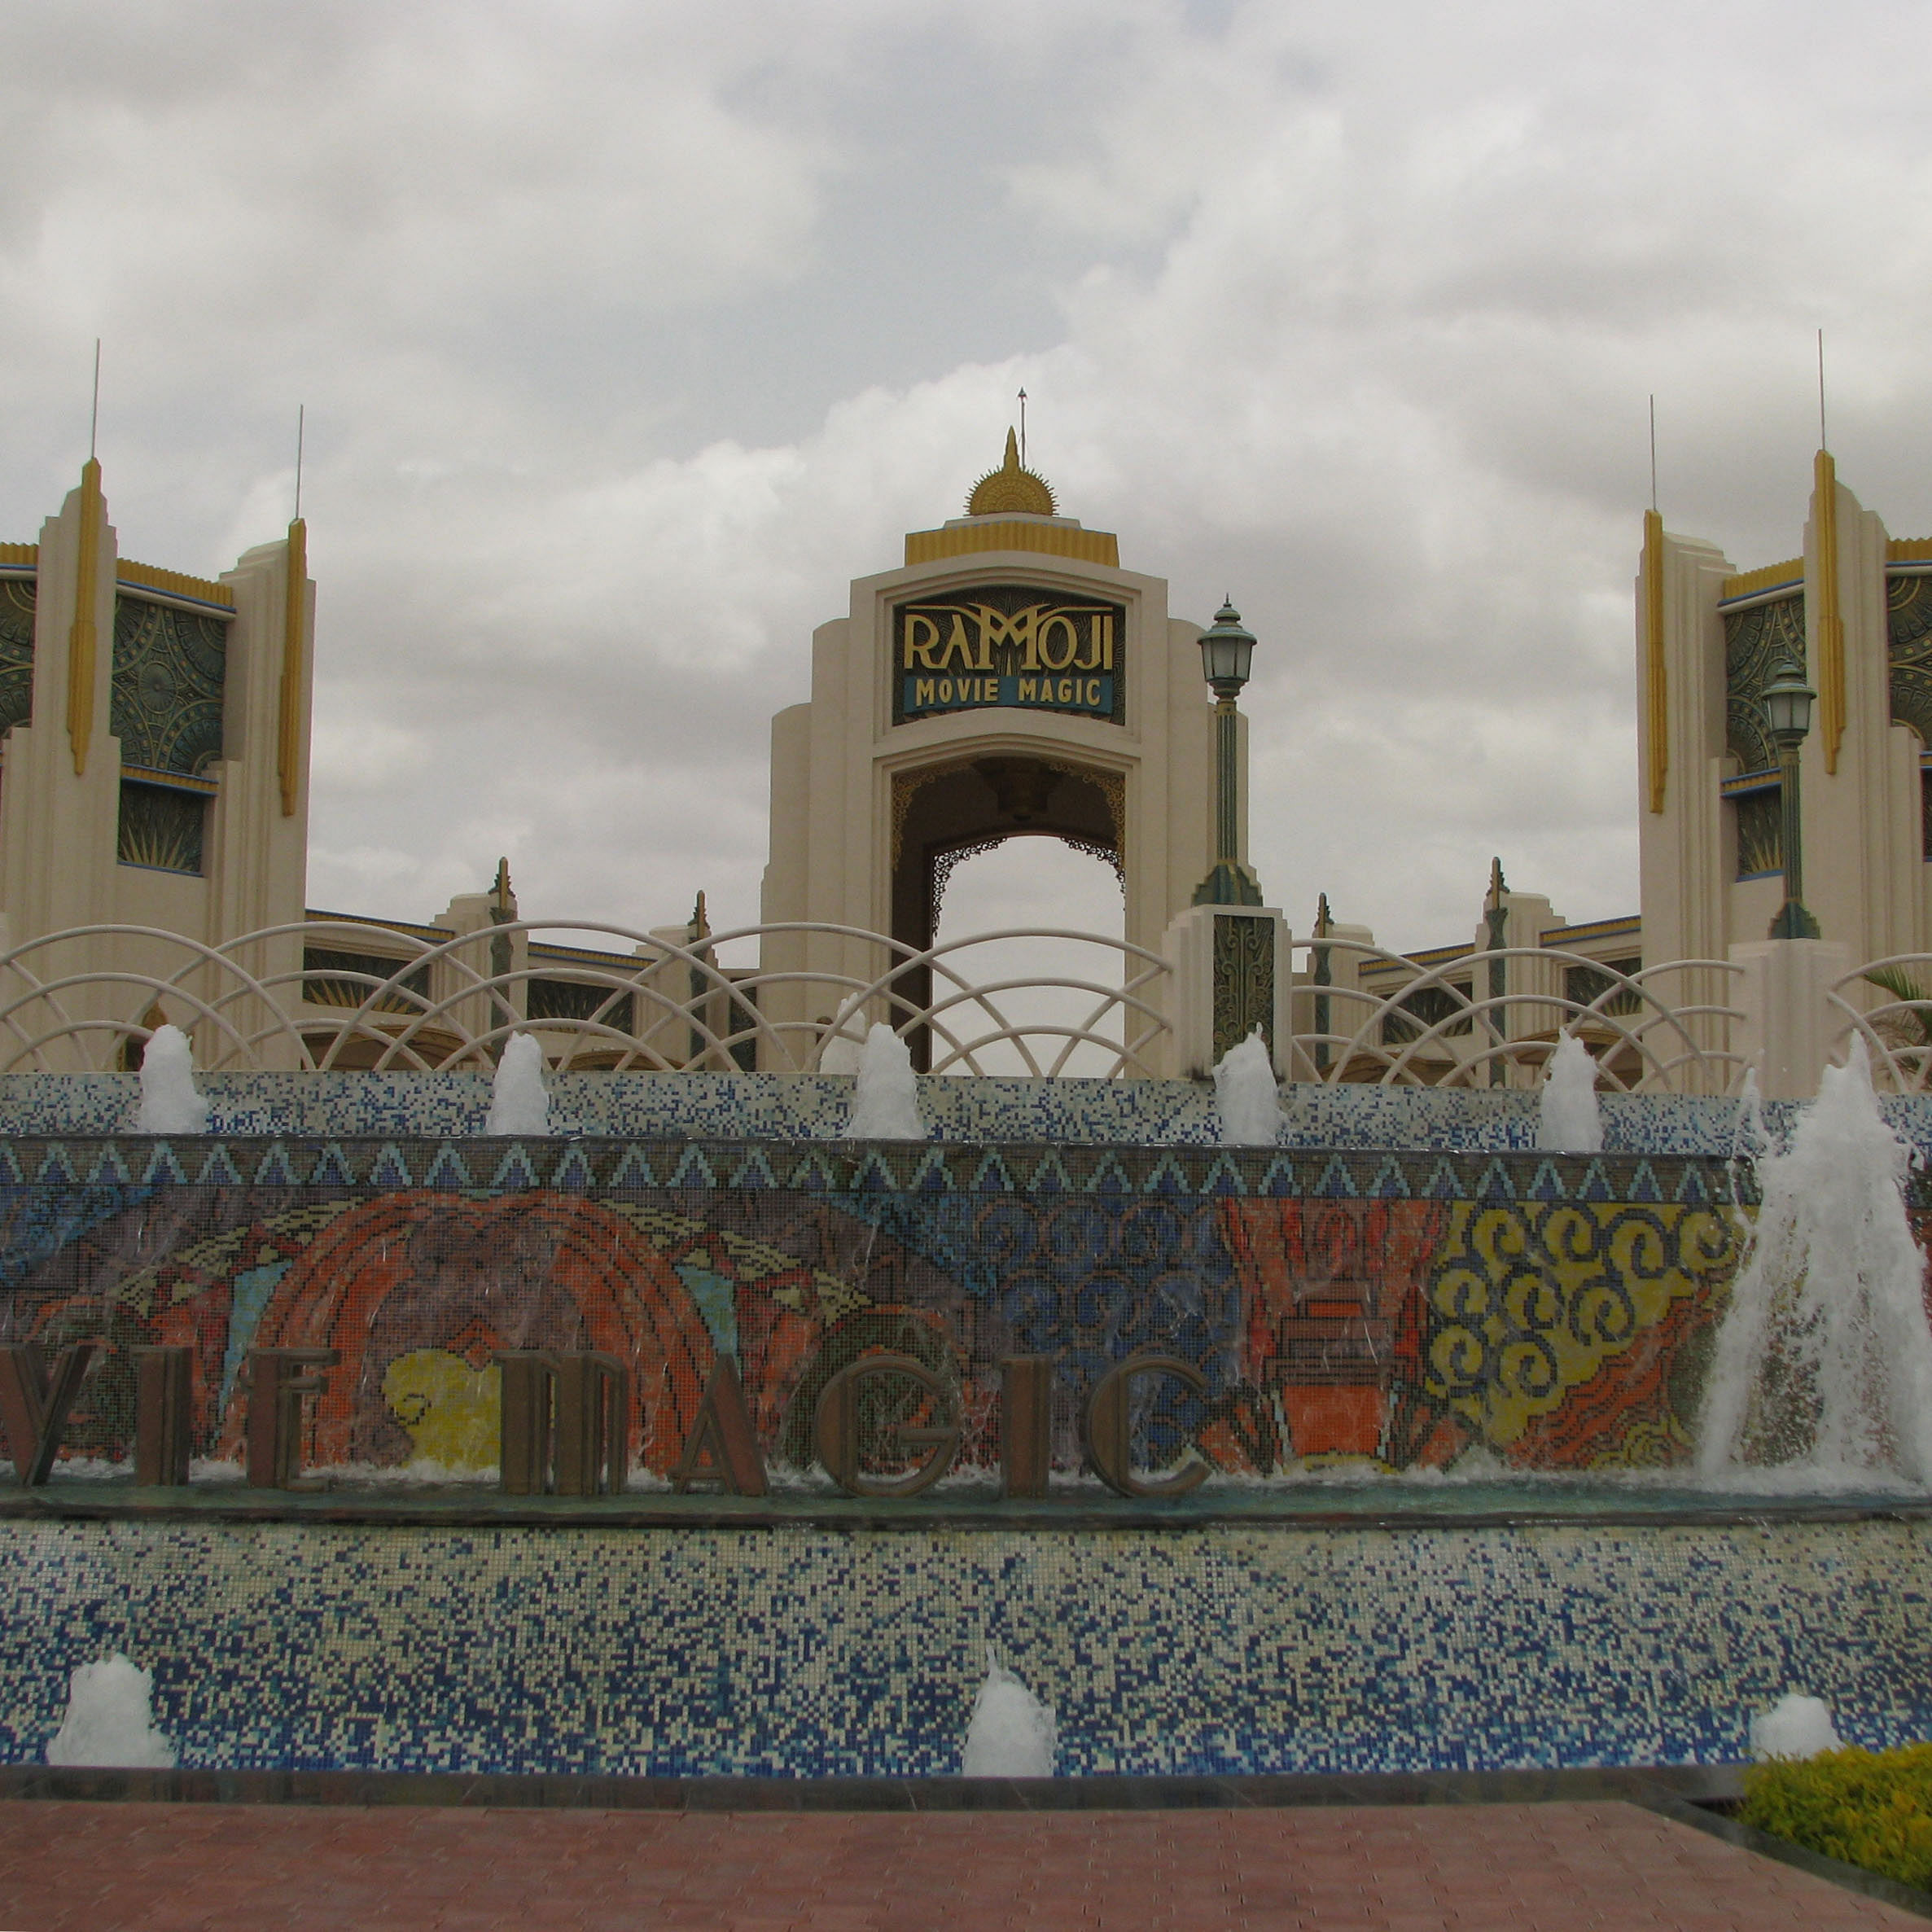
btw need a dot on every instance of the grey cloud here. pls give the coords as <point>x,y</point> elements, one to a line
<point>630,334</point>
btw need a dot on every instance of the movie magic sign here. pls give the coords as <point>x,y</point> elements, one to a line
<point>1008,645</point>
<point>884,1425</point>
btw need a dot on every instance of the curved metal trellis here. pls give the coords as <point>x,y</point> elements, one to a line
<point>1897,1029</point>
<point>665,1006</point>
<point>324,995</point>
<point>1642,1042</point>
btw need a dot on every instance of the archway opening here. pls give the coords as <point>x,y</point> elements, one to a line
<point>1031,882</point>
<point>950,817</point>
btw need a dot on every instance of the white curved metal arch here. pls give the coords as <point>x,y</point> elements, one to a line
<point>1905,1069</point>
<point>247,1014</point>
<point>1401,1063</point>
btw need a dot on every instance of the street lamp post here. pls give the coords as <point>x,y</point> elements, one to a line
<point>1227,651</point>
<point>1787,700</point>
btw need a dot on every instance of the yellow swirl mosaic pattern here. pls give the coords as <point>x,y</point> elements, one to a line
<point>1528,1301</point>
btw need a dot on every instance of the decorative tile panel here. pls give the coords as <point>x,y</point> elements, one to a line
<point>169,665</point>
<point>1756,641</point>
<point>17,596</point>
<point>1393,1309</point>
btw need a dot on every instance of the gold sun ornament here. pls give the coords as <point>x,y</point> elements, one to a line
<point>1009,490</point>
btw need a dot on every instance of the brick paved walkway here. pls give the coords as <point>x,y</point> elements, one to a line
<point>210,1868</point>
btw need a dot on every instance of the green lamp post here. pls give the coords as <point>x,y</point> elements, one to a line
<point>1787,700</point>
<point>1226,652</point>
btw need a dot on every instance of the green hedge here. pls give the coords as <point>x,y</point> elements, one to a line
<point>1869,1808</point>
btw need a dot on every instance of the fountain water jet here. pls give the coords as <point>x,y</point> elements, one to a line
<point>1013,1733</point>
<point>1824,1360</point>
<point>519,1103</point>
<point>886,1106</point>
<point>1568,1118</point>
<point>169,1103</point>
<point>1246,1100</point>
<point>110,1718</point>
<point>1796,1726</point>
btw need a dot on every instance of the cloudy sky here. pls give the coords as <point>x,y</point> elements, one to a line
<point>630,332</point>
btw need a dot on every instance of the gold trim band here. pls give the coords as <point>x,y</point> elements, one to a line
<point>1791,571</point>
<point>149,774</point>
<point>173,584</point>
<point>288,720</point>
<point>989,533</point>
<point>1831,625</point>
<point>1657,689</point>
<point>82,643</point>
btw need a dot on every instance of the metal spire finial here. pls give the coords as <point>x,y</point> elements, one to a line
<point>1824,441</point>
<point>1654,452</point>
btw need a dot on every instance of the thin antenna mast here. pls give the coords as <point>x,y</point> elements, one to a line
<point>1023,429</point>
<point>301,427</point>
<point>94,423</point>
<point>1653,452</point>
<point>1824,441</point>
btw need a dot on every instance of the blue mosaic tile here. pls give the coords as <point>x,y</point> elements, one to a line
<point>1390,1184</point>
<point>816,1106</point>
<point>275,1170</point>
<point>694,1170</point>
<point>55,1170</point>
<point>797,1652</point>
<point>571,1170</point>
<point>515,1169</point>
<point>110,1168</point>
<point>1336,1182</point>
<point>331,1168</point>
<point>634,1169</point>
<point>754,1170</point>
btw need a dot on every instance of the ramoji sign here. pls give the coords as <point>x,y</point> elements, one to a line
<point>1010,646</point>
<point>565,1422</point>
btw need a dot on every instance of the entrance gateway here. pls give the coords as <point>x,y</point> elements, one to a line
<point>1010,679</point>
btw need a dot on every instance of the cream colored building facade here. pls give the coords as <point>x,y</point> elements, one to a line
<point>1008,679</point>
<point>154,770</point>
<point>1853,612</point>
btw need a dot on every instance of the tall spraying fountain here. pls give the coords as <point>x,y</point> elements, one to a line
<point>1824,1362</point>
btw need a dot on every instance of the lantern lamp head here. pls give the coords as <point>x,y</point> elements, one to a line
<point>1226,652</point>
<point>1787,700</point>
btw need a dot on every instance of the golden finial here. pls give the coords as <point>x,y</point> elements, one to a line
<point>1011,488</point>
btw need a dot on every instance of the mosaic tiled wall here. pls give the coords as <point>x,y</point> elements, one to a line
<point>1398,1308</point>
<point>795,1652</point>
<point>816,1106</point>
